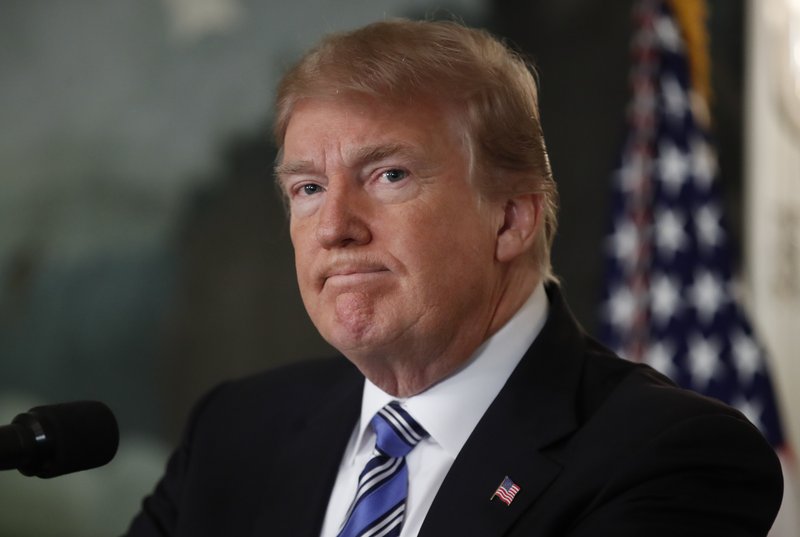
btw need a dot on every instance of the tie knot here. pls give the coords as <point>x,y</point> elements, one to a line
<point>396,431</point>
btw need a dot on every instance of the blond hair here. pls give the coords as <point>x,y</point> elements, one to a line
<point>491,86</point>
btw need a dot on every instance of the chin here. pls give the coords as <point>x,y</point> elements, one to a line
<point>363,344</point>
<point>356,343</point>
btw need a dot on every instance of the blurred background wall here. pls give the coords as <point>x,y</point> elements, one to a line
<point>144,254</point>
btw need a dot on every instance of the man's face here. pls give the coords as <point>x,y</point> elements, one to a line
<point>394,252</point>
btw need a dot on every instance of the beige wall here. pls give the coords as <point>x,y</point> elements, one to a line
<point>772,197</point>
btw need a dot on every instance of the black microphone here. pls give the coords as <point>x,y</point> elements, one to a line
<point>48,441</point>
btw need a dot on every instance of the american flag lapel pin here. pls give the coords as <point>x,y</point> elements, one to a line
<point>506,491</point>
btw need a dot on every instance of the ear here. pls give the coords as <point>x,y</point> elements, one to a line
<point>522,219</point>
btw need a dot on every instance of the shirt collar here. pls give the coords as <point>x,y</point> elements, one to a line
<point>451,409</point>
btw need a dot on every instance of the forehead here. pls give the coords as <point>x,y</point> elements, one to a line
<point>356,127</point>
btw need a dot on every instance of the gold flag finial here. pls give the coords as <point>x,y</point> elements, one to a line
<point>692,16</point>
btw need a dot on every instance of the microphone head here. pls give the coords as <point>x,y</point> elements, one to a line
<point>70,437</point>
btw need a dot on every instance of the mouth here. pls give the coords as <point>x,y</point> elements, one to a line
<point>353,275</point>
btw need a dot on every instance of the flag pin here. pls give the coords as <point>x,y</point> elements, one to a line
<point>506,491</point>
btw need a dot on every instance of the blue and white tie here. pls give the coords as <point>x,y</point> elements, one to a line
<point>378,510</point>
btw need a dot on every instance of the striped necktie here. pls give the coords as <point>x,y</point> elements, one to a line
<point>378,509</point>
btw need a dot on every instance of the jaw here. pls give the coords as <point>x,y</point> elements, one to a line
<point>401,360</point>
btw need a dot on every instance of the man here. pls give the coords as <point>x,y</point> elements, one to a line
<point>422,211</point>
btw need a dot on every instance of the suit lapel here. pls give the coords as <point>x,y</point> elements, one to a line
<point>307,465</point>
<point>516,437</point>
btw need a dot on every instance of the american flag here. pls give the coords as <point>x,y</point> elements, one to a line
<point>670,299</point>
<point>506,491</point>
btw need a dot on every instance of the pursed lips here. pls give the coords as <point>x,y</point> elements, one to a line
<point>352,274</point>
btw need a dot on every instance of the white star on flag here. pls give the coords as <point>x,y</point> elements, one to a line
<point>622,308</point>
<point>659,357</point>
<point>624,243</point>
<point>709,231</point>
<point>675,100</point>
<point>673,167</point>
<point>668,34</point>
<point>703,163</point>
<point>707,295</point>
<point>670,236</point>
<point>753,410</point>
<point>704,362</point>
<point>747,357</point>
<point>665,298</point>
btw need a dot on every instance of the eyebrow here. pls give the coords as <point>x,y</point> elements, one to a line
<point>375,153</point>
<point>360,157</point>
<point>294,168</point>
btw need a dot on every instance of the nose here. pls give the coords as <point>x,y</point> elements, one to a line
<point>342,218</point>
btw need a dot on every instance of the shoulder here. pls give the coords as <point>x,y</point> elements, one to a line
<point>236,441</point>
<point>302,378</point>
<point>647,450</point>
<point>284,394</point>
<point>616,391</point>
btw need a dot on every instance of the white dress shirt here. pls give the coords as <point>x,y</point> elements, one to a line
<point>449,411</point>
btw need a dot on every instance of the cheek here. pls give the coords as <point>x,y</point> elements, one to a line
<point>303,262</point>
<point>439,260</point>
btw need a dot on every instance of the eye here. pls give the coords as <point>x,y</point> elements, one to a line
<point>309,189</point>
<point>394,175</point>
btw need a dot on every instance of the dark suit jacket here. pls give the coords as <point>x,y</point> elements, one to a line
<point>599,446</point>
